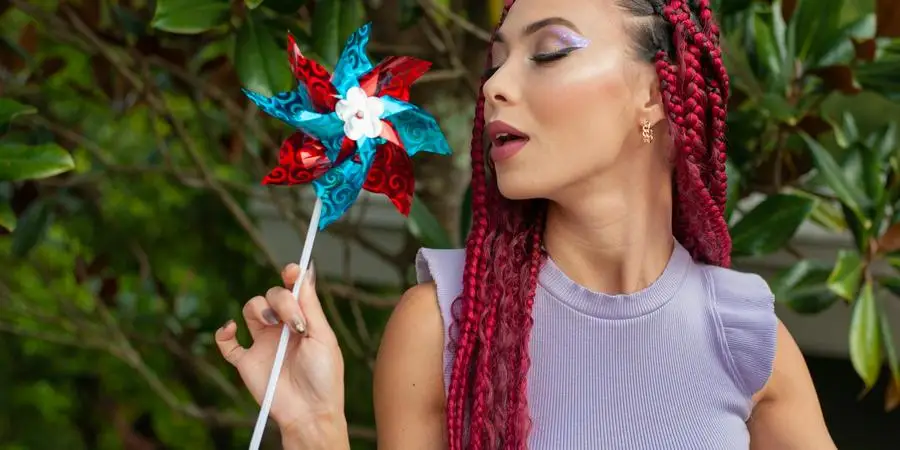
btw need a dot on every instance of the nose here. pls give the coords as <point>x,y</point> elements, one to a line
<point>500,89</point>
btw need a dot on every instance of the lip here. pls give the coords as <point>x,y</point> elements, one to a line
<point>504,150</point>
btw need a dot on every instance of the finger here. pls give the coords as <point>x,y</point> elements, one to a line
<point>290,274</point>
<point>310,303</point>
<point>258,315</point>
<point>286,308</point>
<point>226,340</point>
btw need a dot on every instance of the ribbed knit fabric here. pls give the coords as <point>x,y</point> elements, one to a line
<point>673,366</point>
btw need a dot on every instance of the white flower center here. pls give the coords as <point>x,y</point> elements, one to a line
<point>361,114</point>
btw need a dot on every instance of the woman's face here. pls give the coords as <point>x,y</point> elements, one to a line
<point>566,79</point>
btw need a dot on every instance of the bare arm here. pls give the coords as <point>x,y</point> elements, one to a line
<point>787,415</point>
<point>409,386</point>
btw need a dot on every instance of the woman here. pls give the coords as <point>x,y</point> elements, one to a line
<point>596,265</point>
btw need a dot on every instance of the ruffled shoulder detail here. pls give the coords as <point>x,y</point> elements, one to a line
<point>746,309</point>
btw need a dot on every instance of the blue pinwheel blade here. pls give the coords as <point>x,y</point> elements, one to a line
<point>353,62</point>
<point>294,108</point>
<point>419,131</point>
<point>341,185</point>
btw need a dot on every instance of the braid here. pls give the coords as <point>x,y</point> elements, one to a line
<point>694,84</point>
<point>466,307</point>
<point>518,424</point>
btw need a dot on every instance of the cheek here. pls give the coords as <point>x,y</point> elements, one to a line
<point>573,104</point>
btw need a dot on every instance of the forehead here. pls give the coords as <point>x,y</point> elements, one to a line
<point>589,16</point>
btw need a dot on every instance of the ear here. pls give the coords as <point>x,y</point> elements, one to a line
<point>650,102</point>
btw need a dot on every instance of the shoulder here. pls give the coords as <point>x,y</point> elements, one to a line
<point>411,354</point>
<point>408,379</point>
<point>786,412</point>
<point>745,307</point>
<point>413,331</point>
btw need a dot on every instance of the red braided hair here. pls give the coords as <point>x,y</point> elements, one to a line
<point>492,318</point>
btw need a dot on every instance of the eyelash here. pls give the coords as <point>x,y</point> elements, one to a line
<point>540,59</point>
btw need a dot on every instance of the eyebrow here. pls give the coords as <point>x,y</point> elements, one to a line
<point>534,27</point>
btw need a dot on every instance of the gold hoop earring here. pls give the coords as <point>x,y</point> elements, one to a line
<point>647,131</point>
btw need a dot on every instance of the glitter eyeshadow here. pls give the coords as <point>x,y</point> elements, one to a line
<point>569,38</point>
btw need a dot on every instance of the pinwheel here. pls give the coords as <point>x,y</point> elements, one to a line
<point>355,130</point>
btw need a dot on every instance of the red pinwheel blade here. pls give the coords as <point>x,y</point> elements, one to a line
<point>348,148</point>
<point>314,76</point>
<point>394,76</point>
<point>301,160</point>
<point>392,175</point>
<point>389,133</point>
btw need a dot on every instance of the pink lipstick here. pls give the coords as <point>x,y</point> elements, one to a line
<point>506,140</point>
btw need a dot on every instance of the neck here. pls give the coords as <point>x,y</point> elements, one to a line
<point>614,236</point>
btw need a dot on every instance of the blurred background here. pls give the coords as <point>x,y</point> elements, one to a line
<point>133,223</point>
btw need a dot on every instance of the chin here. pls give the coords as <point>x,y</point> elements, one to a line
<point>519,186</point>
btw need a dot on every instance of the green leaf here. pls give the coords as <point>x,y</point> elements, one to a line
<point>24,162</point>
<point>733,190</point>
<point>253,4</point>
<point>465,215</point>
<point>425,227</point>
<point>803,287</point>
<point>886,142</point>
<point>857,228</point>
<point>829,217</point>
<point>841,51</point>
<point>31,228</point>
<point>326,30</point>
<point>10,109</point>
<point>260,63</point>
<point>873,180</point>
<point>353,13</point>
<point>780,38</point>
<point>866,347</point>
<point>333,23</point>
<point>778,108</point>
<point>7,216</point>
<point>889,349</point>
<point>847,275</point>
<point>770,224</point>
<point>767,52</point>
<point>847,133</point>
<point>815,26</point>
<point>831,172</point>
<point>190,16</point>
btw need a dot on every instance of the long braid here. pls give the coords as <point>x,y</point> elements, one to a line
<point>718,96</point>
<point>699,167</point>
<point>466,307</point>
<point>518,424</point>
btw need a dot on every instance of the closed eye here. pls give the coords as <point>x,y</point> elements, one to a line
<point>542,58</point>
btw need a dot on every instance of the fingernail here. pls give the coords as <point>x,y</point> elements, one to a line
<point>269,317</point>
<point>311,276</point>
<point>299,325</point>
<point>227,324</point>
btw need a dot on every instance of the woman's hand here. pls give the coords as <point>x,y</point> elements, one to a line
<point>309,398</point>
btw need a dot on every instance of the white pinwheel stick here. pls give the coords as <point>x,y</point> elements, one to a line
<point>285,331</point>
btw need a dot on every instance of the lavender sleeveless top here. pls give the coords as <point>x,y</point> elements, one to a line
<point>673,366</point>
